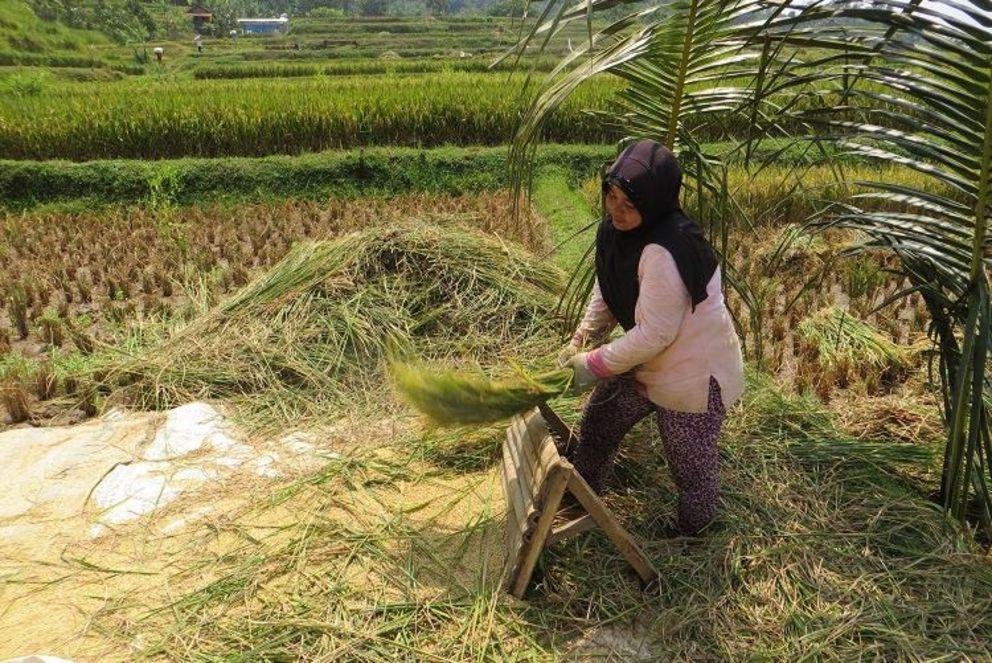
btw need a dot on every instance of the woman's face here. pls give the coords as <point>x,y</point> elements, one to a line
<point>625,216</point>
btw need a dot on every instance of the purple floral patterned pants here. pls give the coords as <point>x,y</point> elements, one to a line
<point>689,439</point>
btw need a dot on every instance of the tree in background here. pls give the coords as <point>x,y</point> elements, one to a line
<point>226,15</point>
<point>122,20</point>
<point>438,7</point>
<point>508,8</point>
<point>375,7</point>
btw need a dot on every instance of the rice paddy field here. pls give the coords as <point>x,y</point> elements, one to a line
<point>266,225</point>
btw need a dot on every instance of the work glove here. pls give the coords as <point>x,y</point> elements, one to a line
<point>567,353</point>
<point>583,379</point>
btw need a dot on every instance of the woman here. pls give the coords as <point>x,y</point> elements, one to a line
<point>679,358</point>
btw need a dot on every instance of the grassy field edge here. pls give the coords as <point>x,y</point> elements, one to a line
<point>343,174</point>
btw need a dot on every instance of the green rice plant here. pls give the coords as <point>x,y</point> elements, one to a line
<point>24,84</point>
<point>161,119</point>
<point>863,276</point>
<point>83,341</point>
<point>361,67</point>
<point>450,398</point>
<point>71,370</point>
<point>51,328</point>
<point>9,59</point>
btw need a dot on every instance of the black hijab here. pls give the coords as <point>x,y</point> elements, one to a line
<point>650,176</point>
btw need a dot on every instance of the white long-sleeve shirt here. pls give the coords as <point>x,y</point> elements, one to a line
<point>672,349</point>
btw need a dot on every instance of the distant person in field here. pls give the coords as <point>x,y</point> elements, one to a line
<point>679,357</point>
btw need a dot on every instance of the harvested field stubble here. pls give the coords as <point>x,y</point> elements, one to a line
<point>788,274</point>
<point>74,291</point>
<point>77,261</point>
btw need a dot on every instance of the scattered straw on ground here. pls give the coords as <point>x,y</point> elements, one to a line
<point>822,549</point>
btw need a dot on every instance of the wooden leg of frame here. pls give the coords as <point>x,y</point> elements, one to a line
<point>623,541</point>
<point>557,480</point>
<point>558,428</point>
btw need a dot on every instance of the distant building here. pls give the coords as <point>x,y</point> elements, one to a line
<point>201,17</point>
<point>263,26</point>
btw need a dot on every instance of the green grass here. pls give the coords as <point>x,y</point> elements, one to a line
<point>344,174</point>
<point>566,211</point>
<point>22,31</point>
<point>376,171</point>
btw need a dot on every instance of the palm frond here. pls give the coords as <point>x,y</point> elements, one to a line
<point>691,66</point>
<point>925,102</point>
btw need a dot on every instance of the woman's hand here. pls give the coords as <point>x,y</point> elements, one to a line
<point>583,379</point>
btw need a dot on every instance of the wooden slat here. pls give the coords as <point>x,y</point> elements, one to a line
<point>533,453</point>
<point>558,427</point>
<point>543,447</point>
<point>538,449</point>
<point>548,455</point>
<point>511,487</point>
<point>557,480</point>
<point>571,528</point>
<point>517,525</point>
<point>613,529</point>
<point>523,466</point>
<point>523,436</point>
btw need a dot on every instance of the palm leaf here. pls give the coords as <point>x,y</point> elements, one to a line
<point>926,97</point>
<point>689,67</point>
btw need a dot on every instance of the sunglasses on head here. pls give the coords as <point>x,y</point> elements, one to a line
<point>623,183</point>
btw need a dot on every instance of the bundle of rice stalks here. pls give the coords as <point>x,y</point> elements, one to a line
<point>449,398</point>
<point>893,418</point>
<point>847,351</point>
<point>314,330</point>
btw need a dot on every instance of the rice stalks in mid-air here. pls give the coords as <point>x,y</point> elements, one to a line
<point>449,398</point>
